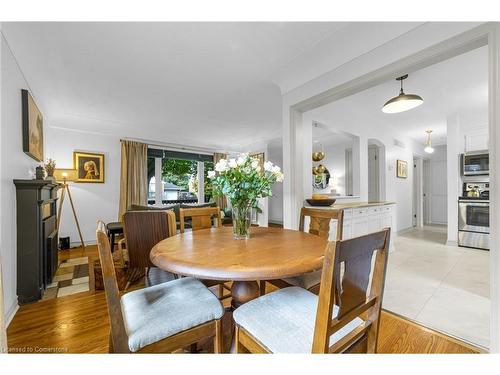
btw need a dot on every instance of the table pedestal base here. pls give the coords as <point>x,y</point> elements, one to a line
<point>243,292</point>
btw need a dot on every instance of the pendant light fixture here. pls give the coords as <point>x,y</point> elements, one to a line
<point>428,145</point>
<point>402,102</point>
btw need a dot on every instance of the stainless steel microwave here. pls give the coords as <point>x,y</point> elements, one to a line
<point>474,164</point>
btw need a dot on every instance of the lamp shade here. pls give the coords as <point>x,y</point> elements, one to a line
<point>402,102</point>
<point>67,175</point>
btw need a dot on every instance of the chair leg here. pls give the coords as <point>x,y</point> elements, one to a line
<point>112,241</point>
<point>218,337</point>
<point>131,277</point>
<point>262,287</point>
<point>111,348</point>
<point>221,290</point>
<point>238,347</point>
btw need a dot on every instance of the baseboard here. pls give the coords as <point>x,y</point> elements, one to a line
<point>78,243</point>
<point>403,231</point>
<point>11,313</point>
<point>436,223</point>
<point>278,222</point>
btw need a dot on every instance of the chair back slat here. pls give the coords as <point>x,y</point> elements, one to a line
<point>320,219</point>
<point>118,333</point>
<point>349,290</point>
<point>356,255</point>
<point>143,230</point>
<point>201,218</point>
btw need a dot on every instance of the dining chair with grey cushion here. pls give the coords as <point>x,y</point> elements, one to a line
<point>344,318</point>
<point>162,318</point>
<point>319,225</point>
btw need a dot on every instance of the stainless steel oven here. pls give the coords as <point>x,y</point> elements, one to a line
<point>474,223</point>
<point>475,164</point>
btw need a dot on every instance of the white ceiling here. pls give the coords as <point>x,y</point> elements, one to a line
<point>201,84</point>
<point>323,135</point>
<point>458,85</point>
<point>218,84</point>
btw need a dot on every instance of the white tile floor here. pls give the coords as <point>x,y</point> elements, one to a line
<point>443,287</point>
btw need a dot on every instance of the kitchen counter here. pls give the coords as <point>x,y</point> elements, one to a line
<point>338,206</point>
<point>361,218</point>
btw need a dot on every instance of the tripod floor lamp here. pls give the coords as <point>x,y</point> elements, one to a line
<point>64,176</point>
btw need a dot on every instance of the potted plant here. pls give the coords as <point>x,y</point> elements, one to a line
<point>50,166</point>
<point>243,181</point>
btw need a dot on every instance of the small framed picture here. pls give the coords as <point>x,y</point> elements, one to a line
<point>89,166</point>
<point>402,169</point>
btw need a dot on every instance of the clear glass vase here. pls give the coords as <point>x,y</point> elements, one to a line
<point>241,222</point>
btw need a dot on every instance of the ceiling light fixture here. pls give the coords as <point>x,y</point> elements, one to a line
<point>428,145</point>
<point>402,102</point>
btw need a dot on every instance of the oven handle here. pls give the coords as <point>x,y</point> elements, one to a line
<point>478,203</point>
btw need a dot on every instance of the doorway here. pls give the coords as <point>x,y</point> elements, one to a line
<point>294,109</point>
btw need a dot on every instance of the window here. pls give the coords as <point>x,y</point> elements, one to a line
<point>180,174</point>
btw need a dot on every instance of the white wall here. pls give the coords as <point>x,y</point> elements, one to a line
<point>438,205</point>
<point>275,154</point>
<point>3,337</point>
<point>92,201</point>
<point>14,164</point>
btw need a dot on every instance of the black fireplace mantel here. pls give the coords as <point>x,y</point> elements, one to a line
<point>37,237</point>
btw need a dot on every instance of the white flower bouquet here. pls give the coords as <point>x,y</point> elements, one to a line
<point>243,181</point>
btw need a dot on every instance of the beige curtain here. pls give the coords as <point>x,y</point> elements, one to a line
<point>221,201</point>
<point>3,329</point>
<point>134,175</point>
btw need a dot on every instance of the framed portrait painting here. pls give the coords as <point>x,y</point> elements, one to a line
<point>402,169</point>
<point>32,121</point>
<point>89,167</point>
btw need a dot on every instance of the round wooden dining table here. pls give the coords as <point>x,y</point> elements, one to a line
<point>213,254</point>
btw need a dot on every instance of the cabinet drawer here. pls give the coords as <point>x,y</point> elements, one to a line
<point>359,212</point>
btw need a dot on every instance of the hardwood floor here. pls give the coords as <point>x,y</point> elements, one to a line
<point>79,324</point>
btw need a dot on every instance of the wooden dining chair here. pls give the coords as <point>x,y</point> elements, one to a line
<point>201,218</point>
<point>344,318</point>
<point>204,218</point>
<point>319,225</point>
<point>143,230</point>
<point>162,318</point>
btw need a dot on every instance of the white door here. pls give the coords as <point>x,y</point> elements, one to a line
<point>426,173</point>
<point>348,172</point>
<point>373,174</point>
<point>415,194</point>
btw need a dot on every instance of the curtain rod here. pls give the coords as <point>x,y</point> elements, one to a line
<point>174,147</point>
